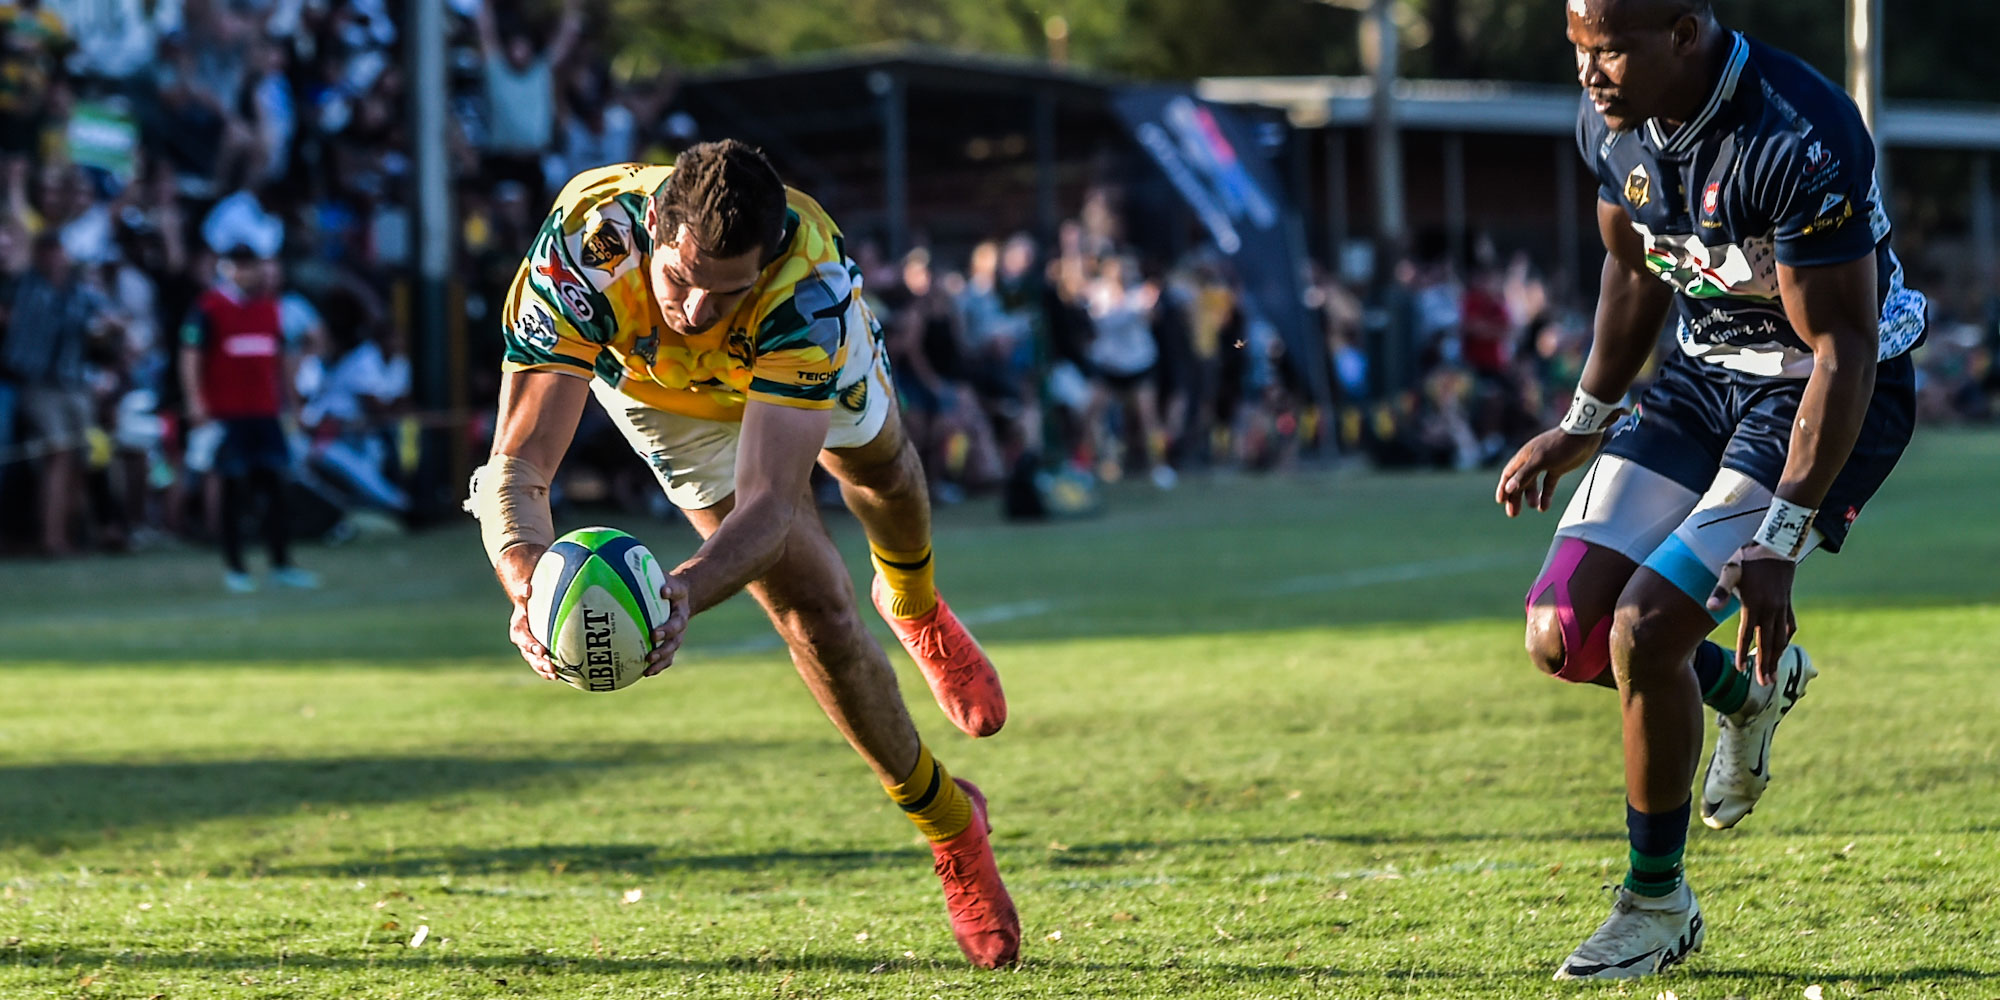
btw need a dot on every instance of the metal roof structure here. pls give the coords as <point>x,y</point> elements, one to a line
<point>1537,109</point>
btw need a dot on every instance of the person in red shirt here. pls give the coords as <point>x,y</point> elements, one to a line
<point>234,372</point>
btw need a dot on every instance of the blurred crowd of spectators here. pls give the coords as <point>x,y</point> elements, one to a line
<point>1100,362</point>
<point>154,151</point>
<point>155,154</point>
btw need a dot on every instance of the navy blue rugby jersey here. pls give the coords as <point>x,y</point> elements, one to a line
<point>1777,168</point>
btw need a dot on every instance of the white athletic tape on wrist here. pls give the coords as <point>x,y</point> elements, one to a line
<point>1785,529</point>
<point>511,500</point>
<point>1587,414</point>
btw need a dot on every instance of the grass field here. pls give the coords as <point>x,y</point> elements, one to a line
<point>1270,738</point>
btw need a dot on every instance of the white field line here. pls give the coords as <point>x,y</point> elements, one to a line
<point>1370,576</point>
<point>767,642</point>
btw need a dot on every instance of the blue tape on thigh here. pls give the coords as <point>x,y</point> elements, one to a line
<point>1678,564</point>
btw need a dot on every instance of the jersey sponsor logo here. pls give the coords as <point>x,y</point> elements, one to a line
<point>1711,198</point>
<point>1722,326</point>
<point>855,397</point>
<point>250,345</point>
<point>1639,186</point>
<point>1833,214</point>
<point>810,377</point>
<point>537,327</point>
<point>1820,171</point>
<point>567,286</point>
<point>605,246</point>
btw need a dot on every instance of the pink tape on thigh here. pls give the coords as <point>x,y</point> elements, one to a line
<point>1584,657</point>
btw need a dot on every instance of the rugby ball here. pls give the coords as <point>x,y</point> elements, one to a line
<point>594,601</point>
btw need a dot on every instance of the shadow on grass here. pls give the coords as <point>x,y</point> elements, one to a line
<point>623,859</point>
<point>53,806</point>
<point>644,860</point>
<point>522,969</point>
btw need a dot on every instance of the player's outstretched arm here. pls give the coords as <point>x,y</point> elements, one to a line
<point>1833,309</point>
<point>774,463</point>
<point>1631,305</point>
<point>539,411</point>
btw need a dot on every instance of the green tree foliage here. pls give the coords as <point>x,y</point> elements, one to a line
<point>1936,48</point>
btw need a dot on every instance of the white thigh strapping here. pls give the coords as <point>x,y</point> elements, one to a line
<point>1625,507</point>
<point>1724,521</point>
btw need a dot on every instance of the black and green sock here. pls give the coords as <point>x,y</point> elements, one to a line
<point>1658,840</point>
<point>1723,687</point>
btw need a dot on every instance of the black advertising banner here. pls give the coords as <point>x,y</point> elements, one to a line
<point>1210,154</point>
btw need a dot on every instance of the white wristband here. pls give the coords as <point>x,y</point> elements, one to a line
<point>1785,529</point>
<point>1587,414</point>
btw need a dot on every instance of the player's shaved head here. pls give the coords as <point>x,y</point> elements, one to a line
<point>1639,11</point>
<point>1643,59</point>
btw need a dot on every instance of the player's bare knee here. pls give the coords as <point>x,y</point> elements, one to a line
<point>1563,642</point>
<point>1638,634</point>
<point>1545,641</point>
<point>819,626</point>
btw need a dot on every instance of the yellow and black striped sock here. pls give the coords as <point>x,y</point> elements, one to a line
<point>912,587</point>
<point>934,802</point>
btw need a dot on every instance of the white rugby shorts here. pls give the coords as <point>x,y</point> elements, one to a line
<point>695,459</point>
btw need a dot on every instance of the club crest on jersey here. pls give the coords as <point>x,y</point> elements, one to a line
<point>1818,158</point>
<point>1711,198</point>
<point>567,286</point>
<point>605,246</point>
<point>1639,186</point>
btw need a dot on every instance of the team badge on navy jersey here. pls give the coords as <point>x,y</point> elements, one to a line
<point>1639,186</point>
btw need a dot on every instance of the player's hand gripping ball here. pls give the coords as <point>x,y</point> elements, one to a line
<point>594,602</point>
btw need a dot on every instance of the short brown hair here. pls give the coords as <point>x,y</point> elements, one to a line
<point>728,196</point>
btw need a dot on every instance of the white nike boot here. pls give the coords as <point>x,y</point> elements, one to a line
<point>1642,936</point>
<point>1741,768</point>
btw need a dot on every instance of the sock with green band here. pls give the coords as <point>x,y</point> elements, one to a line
<point>1723,687</point>
<point>1658,841</point>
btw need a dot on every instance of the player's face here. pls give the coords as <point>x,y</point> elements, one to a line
<point>696,290</point>
<point>1628,68</point>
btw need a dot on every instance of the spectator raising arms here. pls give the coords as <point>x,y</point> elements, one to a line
<point>521,94</point>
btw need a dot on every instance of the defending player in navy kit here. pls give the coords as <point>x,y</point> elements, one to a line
<point>1736,186</point>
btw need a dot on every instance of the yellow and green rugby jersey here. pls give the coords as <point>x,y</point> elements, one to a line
<point>581,303</point>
